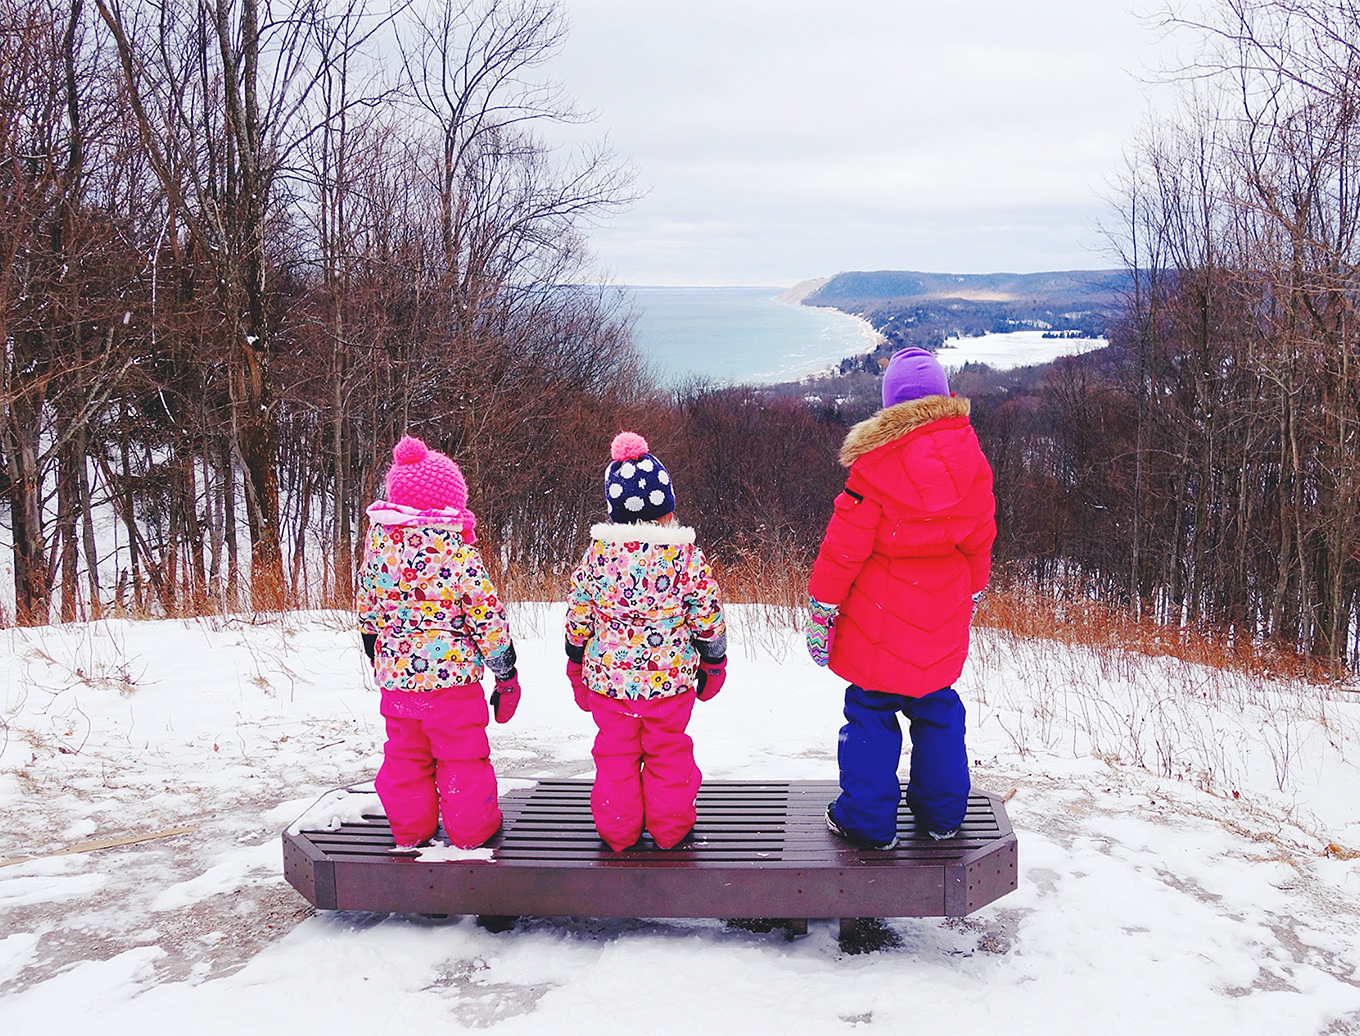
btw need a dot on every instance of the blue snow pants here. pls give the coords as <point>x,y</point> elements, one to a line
<point>871,748</point>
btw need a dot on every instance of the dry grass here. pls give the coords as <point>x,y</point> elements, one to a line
<point>778,579</point>
<point>1068,675</point>
<point>775,576</point>
<point>1087,680</point>
<point>1098,626</point>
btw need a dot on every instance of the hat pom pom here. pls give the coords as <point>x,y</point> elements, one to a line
<point>627,446</point>
<point>410,450</point>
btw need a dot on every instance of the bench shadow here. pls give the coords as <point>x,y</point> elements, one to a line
<point>927,938</point>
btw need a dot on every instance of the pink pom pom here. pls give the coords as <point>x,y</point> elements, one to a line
<point>410,450</point>
<point>627,446</point>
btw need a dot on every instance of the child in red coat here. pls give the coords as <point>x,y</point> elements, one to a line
<point>906,550</point>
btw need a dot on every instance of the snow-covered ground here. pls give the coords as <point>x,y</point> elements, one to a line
<point>1188,849</point>
<point>1013,349</point>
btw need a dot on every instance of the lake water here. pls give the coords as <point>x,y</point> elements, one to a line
<point>740,335</point>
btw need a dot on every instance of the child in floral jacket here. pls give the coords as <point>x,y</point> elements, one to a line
<point>645,632</point>
<point>431,620</point>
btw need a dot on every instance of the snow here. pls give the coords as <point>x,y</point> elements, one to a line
<point>48,881</point>
<point>451,854</point>
<point>16,953</point>
<point>229,871</point>
<point>1188,848</point>
<point>1013,349</point>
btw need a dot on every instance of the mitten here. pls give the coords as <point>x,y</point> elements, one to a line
<point>505,698</point>
<point>820,627</point>
<point>370,645</point>
<point>578,685</point>
<point>712,675</point>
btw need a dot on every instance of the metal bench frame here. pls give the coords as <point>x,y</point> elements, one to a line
<point>758,850</point>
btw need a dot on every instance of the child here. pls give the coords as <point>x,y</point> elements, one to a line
<point>431,620</point>
<point>645,628</point>
<point>906,551</point>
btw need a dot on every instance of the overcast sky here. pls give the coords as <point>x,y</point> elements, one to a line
<point>780,140</point>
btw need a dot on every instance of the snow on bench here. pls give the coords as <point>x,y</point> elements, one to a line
<point>759,850</point>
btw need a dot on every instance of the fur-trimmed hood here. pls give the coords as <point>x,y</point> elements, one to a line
<point>641,532</point>
<point>896,421</point>
<point>921,454</point>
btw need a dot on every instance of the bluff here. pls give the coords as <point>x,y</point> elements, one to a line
<point>913,308</point>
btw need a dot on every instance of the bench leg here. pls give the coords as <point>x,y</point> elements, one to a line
<point>792,927</point>
<point>866,935</point>
<point>496,922</point>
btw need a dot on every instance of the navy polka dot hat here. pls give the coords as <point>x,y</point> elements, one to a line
<point>637,486</point>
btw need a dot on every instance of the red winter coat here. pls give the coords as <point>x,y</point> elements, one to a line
<point>909,543</point>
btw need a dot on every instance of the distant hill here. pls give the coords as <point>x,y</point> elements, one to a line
<point>912,308</point>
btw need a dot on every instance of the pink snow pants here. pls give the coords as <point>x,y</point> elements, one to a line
<point>437,758</point>
<point>645,775</point>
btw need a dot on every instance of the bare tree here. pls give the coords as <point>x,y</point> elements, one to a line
<point>1205,467</point>
<point>64,264</point>
<point>219,92</point>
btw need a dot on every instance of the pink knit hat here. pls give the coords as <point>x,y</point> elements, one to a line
<point>424,478</point>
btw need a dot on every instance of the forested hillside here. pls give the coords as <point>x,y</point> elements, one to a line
<point>244,248</point>
<point>923,309</point>
<point>240,255</point>
<point>1204,469</point>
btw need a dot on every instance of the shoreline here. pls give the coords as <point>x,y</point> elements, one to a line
<point>743,336</point>
<point>872,336</point>
<point>867,331</point>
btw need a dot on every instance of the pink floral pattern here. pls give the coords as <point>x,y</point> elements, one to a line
<point>636,605</point>
<point>425,592</point>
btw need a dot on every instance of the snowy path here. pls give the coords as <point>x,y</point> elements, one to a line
<point>1148,903</point>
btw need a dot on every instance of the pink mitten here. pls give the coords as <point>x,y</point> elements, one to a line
<point>505,698</point>
<point>578,685</point>
<point>712,675</point>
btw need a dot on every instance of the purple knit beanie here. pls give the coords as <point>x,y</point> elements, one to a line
<point>911,374</point>
<point>424,478</point>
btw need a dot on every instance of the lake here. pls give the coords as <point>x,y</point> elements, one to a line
<point>740,335</point>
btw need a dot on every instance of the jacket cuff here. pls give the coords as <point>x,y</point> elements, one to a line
<point>712,649</point>
<point>822,613</point>
<point>502,663</point>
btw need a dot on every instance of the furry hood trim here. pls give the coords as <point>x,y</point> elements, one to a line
<point>641,532</point>
<point>896,421</point>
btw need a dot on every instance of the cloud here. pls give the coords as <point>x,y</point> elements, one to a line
<point>783,140</point>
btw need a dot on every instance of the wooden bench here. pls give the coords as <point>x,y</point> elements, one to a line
<point>759,850</point>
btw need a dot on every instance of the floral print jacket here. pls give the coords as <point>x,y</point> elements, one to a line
<point>643,608</point>
<point>424,591</point>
